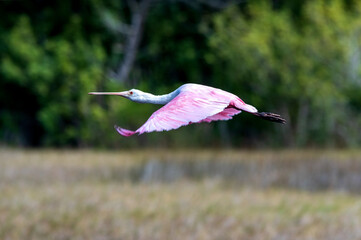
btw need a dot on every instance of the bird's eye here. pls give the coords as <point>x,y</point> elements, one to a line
<point>131,92</point>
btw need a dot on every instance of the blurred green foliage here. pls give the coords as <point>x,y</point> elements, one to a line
<point>54,77</point>
<point>304,72</point>
<point>301,60</point>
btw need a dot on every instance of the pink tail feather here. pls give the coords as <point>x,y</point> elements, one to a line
<point>124,132</point>
<point>240,105</point>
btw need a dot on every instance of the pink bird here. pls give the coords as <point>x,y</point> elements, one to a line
<point>190,103</point>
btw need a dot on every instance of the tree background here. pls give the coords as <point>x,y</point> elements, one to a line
<point>301,59</point>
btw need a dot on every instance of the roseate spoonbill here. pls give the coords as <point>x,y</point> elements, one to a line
<point>190,103</point>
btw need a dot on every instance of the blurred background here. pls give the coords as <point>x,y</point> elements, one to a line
<point>65,173</point>
<point>300,59</point>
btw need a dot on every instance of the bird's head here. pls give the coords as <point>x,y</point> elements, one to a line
<point>132,94</point>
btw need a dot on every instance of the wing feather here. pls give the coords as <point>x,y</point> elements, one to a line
<point>188,107</point>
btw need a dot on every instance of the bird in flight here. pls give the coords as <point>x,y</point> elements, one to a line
<point>190,103</point>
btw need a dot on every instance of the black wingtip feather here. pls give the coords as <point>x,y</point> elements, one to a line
<point>270,117</point>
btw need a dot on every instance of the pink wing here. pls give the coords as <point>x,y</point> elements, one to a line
<point>226,114</point>
<point>190,106</point>
<point>229,112</point>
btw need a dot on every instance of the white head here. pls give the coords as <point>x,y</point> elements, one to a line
<point>141,97</point>
<point>132,94</point>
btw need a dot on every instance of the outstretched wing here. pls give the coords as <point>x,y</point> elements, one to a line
<point>188,107</point>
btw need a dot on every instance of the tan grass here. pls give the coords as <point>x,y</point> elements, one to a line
<point>76,195</point>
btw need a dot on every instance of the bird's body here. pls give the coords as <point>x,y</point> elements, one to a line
<point>190,103</point>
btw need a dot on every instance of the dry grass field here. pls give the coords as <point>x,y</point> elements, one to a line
<point>180,195</point>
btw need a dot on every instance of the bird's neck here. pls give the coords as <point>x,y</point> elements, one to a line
<point>158,99</point>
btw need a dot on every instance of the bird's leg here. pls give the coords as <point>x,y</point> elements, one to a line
<point>270,117</point>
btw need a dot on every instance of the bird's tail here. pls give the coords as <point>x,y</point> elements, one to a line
<point>240,105</point>
<point>124,132</point>
<point>270,117</point>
